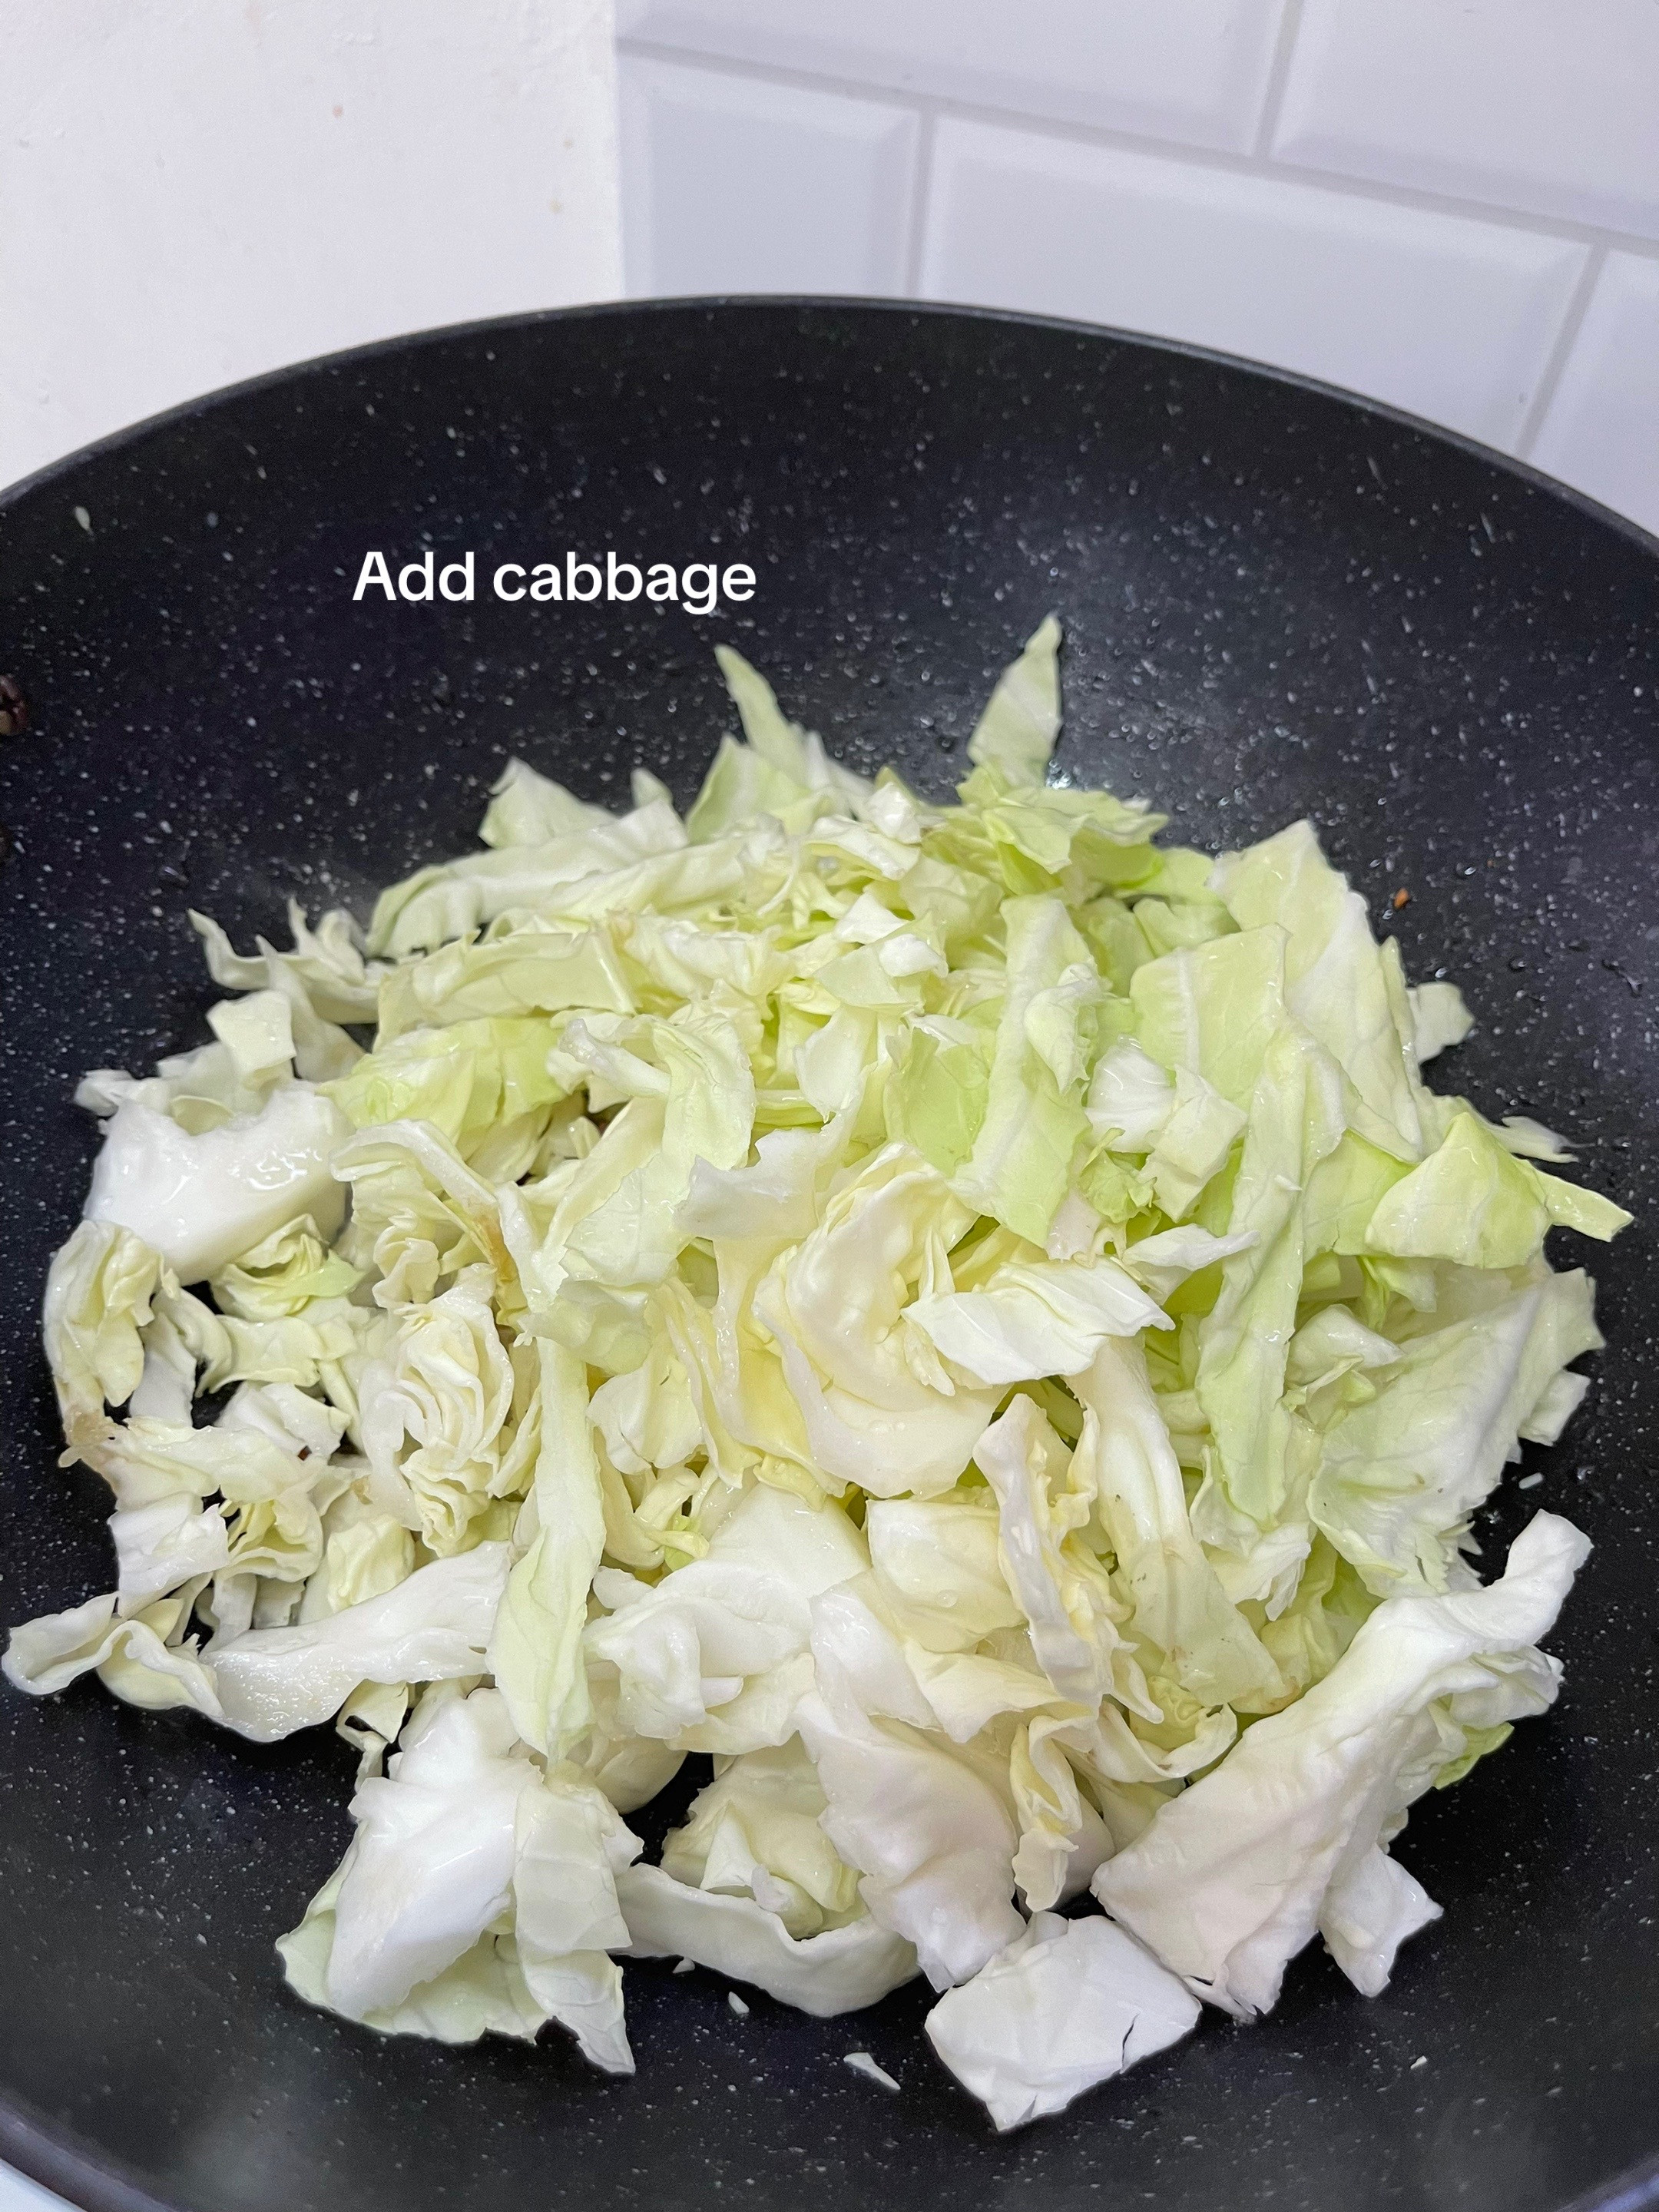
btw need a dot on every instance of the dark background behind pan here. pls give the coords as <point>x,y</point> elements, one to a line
<point>1276,601</point>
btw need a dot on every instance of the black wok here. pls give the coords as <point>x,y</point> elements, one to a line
<point>1277,601</point>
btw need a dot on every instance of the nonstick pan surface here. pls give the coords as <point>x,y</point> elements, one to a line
<point>1276,602</point>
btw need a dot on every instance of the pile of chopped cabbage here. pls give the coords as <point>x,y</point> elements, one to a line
<point>970,1318</point>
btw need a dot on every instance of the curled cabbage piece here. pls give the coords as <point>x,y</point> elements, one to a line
<point>1068,2004</point>
<point>1289,1836</point>
<point>201,1199</point>
<point>841,1969</point>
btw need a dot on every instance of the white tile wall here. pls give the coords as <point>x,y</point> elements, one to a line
<point>17,2195</point>
<point>1601,430</point>
<point>1451,205</point>
<point>1550,105</point>
<point>195,194</point>
<point>1450,317</point>
<point>1195,71</point>
<point>734,184</point>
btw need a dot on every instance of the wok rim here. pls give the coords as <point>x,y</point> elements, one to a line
<point>374,349</point>
<point>59,2158</point>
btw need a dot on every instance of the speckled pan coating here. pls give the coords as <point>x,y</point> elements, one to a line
<point>1276,601</point>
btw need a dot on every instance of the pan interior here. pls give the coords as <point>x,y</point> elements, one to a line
<point>1276,601</point>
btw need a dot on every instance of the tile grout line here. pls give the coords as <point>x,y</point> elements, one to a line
<point>1279,78</point>
<point>1335,183</point>
<point>1566,338</point>
<point>921,196</point>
